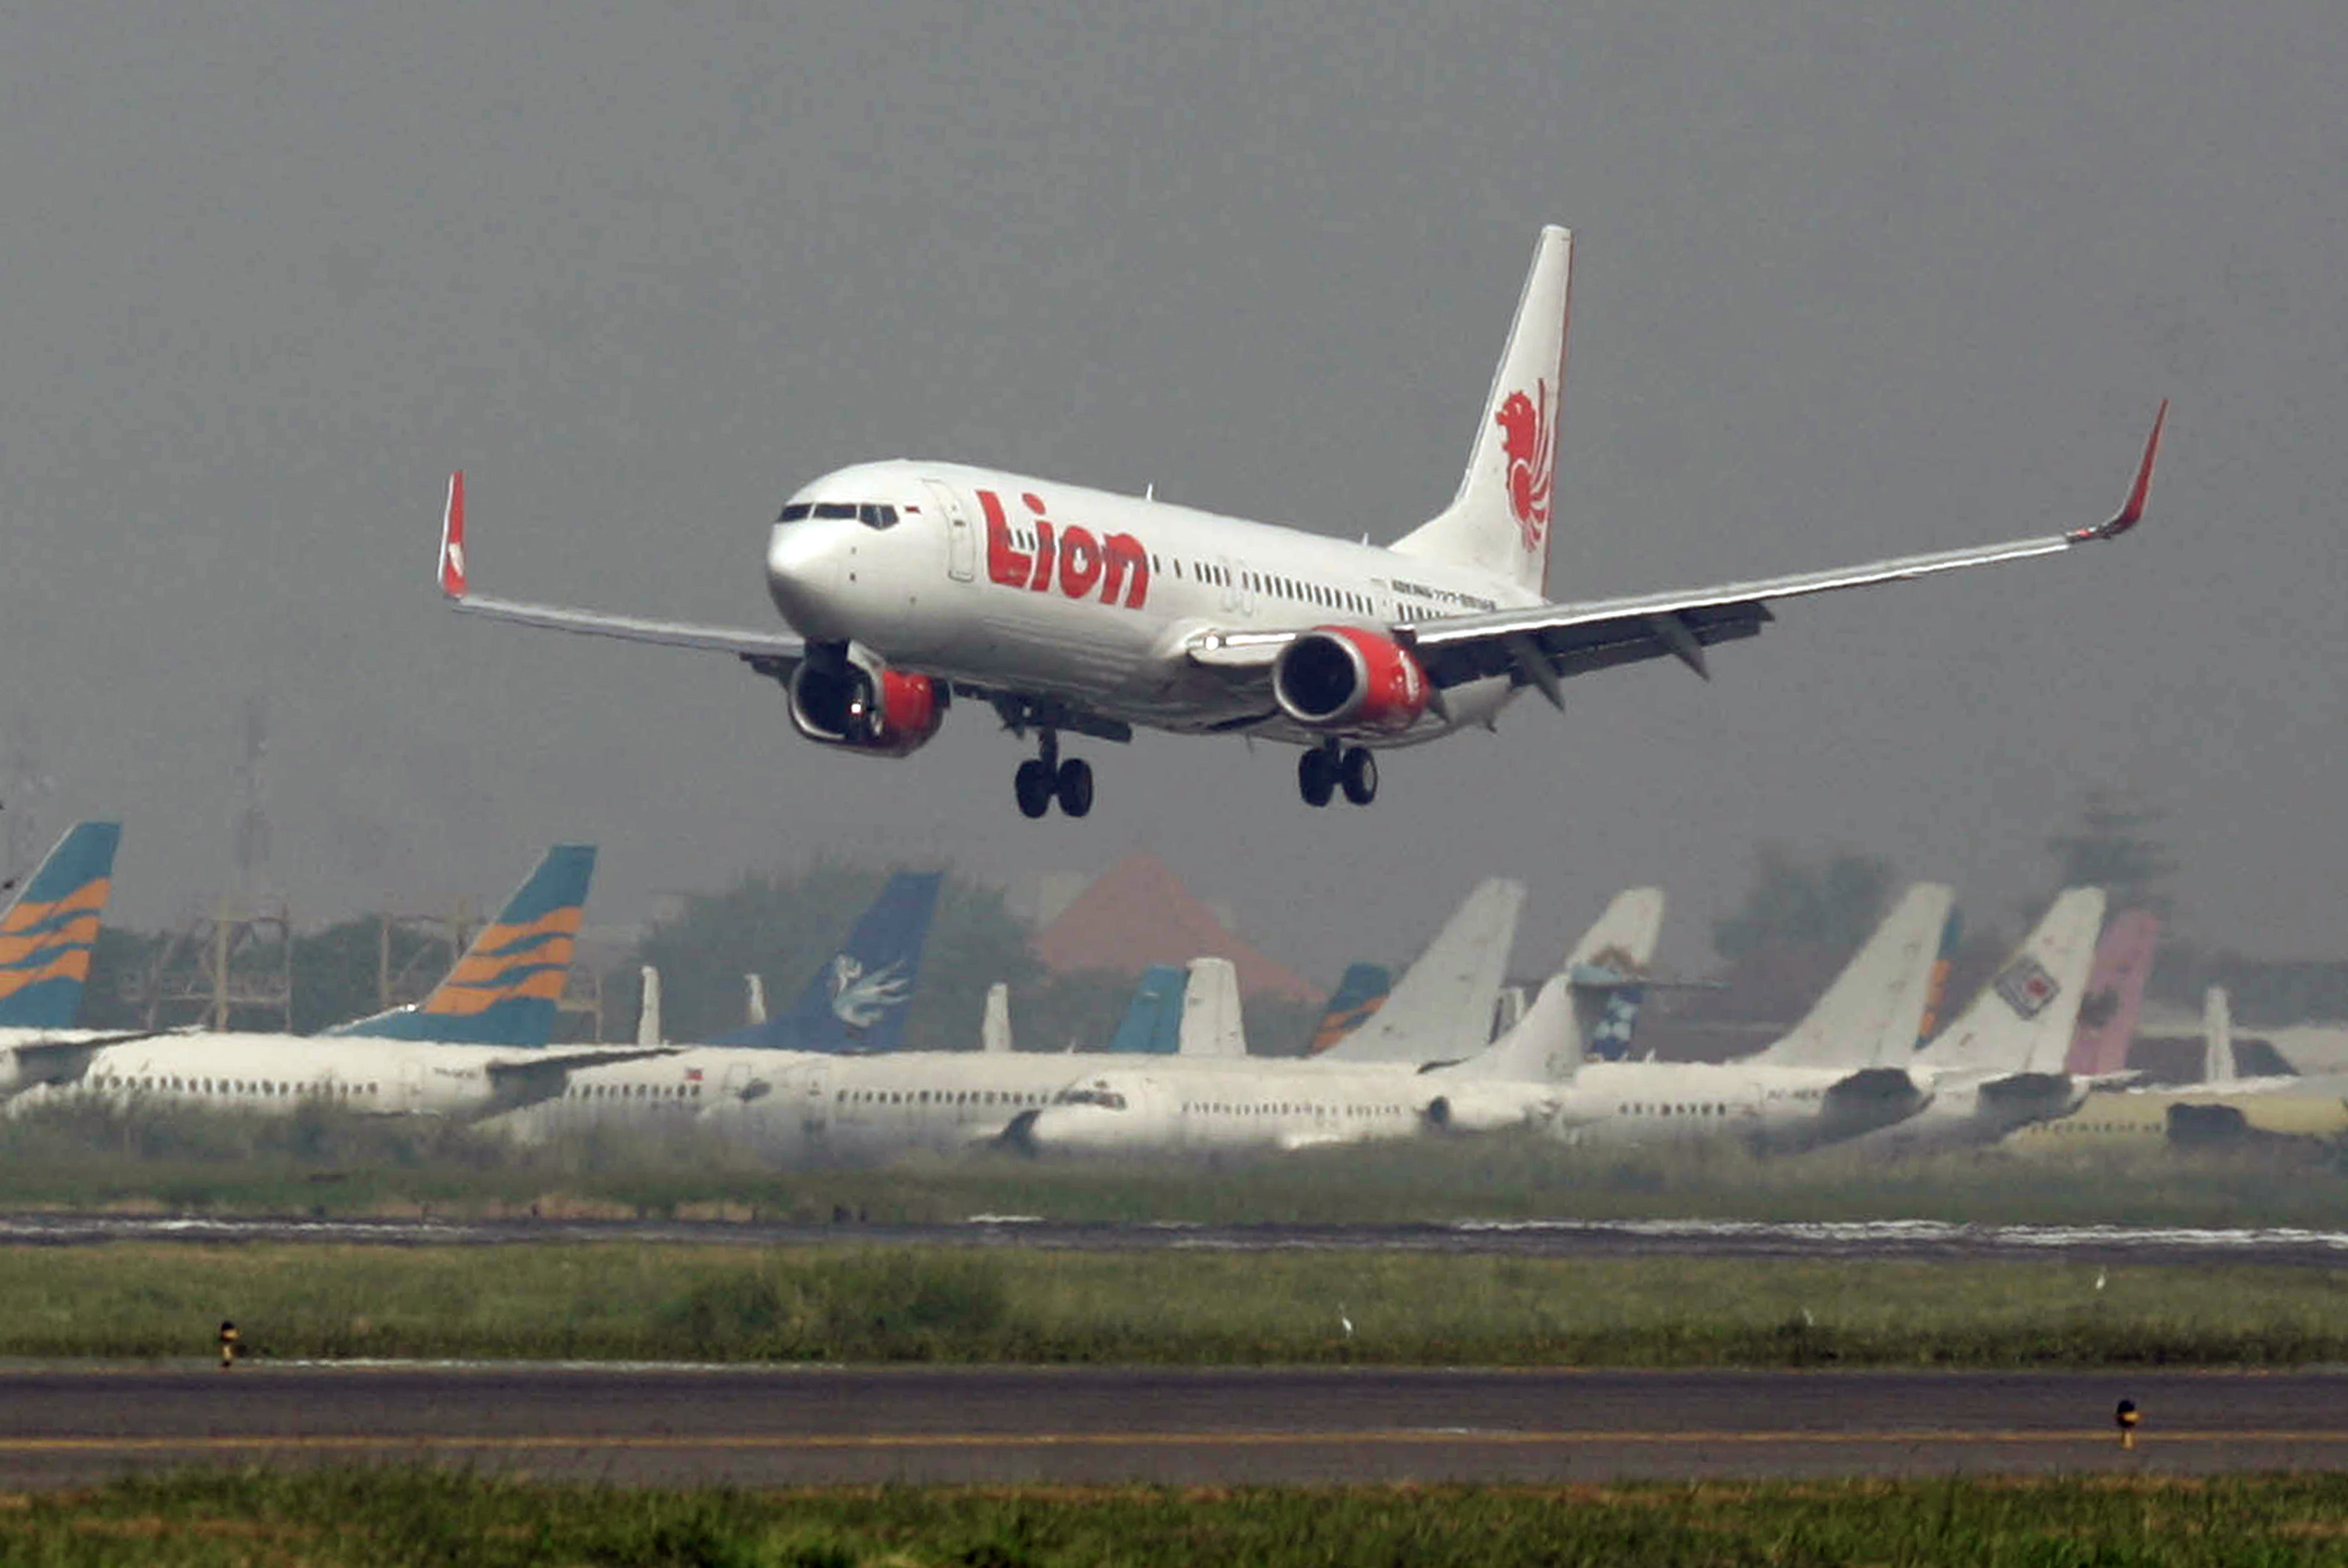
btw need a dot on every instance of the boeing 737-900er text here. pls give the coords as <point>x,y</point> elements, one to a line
<point>1070,612</point>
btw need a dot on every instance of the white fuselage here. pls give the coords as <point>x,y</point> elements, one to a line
<point>1682,1102</point>
<point>1091,597</point>
<point>278,1074</point>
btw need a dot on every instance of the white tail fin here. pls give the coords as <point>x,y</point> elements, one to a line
<point>1441,1009</point>
<point>1871,1016</point>
<point>648,1016</point>
<point>754,1006</point>
<point>2217,1037</point>
<point>1211,1025</point>
<point>1547,1045</point>
<point>2022,1021</point>
<point>1500,521</point>
<point>995,1028</point>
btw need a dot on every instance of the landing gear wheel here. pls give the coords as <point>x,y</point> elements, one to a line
<point>1359,773</point>
<point>1075,786</point>
<point>1316,776</point>
<point>1033,784</point>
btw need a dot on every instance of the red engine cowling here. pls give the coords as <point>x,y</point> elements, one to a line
<point>1348,678</point>
<point>855,700</point>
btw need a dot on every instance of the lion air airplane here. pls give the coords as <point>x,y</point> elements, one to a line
<point>908,585</point>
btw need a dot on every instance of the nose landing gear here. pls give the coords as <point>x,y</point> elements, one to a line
<point>1045,777</point>
<point>1324,769</point>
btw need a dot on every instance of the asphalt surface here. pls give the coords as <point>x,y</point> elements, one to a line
<point>1210,1426</point>
<point>1922,1240</point>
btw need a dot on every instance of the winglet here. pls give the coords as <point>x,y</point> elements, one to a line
<point>2132,513</point>
<point>452,538</point>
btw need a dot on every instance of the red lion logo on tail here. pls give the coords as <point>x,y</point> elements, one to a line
<point>1525,438</point>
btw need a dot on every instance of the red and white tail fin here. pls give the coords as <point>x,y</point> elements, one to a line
<point>1500,521</point>
<point>452,539</point>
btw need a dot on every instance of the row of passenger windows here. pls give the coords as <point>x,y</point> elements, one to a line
<point>1286,1108</point>
<point>941,1097</point>
<point>870,516</point>
<point>1648,1110</point>
<point>265,1088</point>
<point>633,1092</point>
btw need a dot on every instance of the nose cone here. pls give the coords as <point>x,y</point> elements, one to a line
<point>803,571</point>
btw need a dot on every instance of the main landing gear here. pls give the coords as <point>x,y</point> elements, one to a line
<point>1045,778</point>
<point>1321,771</point>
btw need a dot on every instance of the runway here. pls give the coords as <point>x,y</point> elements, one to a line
<point>771,1426</point>
<point>1916,1240</point>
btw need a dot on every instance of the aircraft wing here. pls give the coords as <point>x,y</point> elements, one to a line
<point>1544,643</point>
<point>772,652</point>
<point>529,1077</point>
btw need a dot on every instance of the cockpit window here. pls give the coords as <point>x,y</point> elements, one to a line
<point>878,516</point>
<point>835,509</point>
<point>1106,1099</point>
<point>794,512</point>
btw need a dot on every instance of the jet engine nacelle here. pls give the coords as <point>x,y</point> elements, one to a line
<point>1349,678</point>
<point>850,698</point>
<point>1470,1110</point>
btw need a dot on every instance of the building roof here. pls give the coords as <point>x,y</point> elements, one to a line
<point>1136,914</point>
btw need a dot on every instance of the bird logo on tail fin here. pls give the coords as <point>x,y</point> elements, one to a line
<point>1524,424</point>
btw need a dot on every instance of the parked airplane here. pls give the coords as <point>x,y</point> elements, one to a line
<point>1842,1071</point>
<point>858,1001</point>
<point>1068,610</point>
<point>2222,1108</point>
<point>505,986</point>
<point>1999,1065</point>
<point>795,1106</point>
<point>1280,1106</point>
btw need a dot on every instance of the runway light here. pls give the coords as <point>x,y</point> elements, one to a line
<point>230,1344</point>
<point>2125,1417</point>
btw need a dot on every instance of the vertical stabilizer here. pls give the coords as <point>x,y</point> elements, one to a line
<point>858,1001</point>
<point>1441,1009</point>
<point>2217,1037</point>
<point>47,935</point>
<point>1872,1013</point>
<point>994,1027</point>
<point>1152,1024</point>
<point>2114,997</point>
<point>648,1013</point>
<point>2021,1020</point>
<point>1500,521</point>
<point>1361,992</point>
<point>1548,1044</point>
<point>754,1000</point>
<point>507,986</point>
<point>1211,1025</point>
<point>1606,968</point>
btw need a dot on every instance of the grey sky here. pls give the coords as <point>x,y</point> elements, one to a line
<point>1851,280</point>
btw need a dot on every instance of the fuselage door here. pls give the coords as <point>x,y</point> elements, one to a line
<point>816,1103</point>
<point>962,549</point>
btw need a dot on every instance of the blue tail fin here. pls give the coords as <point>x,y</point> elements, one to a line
<point>1153,1023</point>
<point>47,935</point>
<point>505,990</point>
<point>858,1001</point>
<point>1361,992</point>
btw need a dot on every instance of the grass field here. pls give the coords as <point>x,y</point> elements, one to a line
<point>408,1517</point>
<point>325,1163</point>
<point>615,1300</point>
